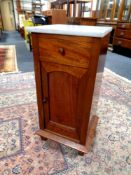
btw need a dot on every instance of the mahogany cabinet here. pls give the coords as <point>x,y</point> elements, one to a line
<point>122,39</point>
<point>67,68</point>
<point>82,21</point>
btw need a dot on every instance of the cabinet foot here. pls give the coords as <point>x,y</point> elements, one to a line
<point>43,138</point>
<point>80,153</point>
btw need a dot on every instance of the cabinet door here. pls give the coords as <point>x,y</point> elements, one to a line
<point>63,99</point>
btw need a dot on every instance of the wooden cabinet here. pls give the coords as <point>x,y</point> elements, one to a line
<point>125,34</point>
<point>74,8</point>
<point>122,38</point>
<point>114,10</point>
<point>0,25</point>
<point>124,26</point>
<point>82,21</point>
<point>67,69</point>
<point>56,16</point>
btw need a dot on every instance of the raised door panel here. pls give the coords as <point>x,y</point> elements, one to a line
<point>62,98</point>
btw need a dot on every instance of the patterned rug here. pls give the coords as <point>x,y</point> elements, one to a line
<point>8,61</point>
<point>24,153</point>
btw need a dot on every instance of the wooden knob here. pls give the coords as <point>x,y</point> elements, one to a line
<point>119,42</point>
<point>45,100</point>
<point>122,33</point>
<point>62,51</point>
<point>123,25</point>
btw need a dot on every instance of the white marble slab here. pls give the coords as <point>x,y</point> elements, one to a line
<point>77,30</point>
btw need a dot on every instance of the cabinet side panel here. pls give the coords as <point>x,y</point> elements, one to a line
<point>89,90</point>
<point>35,41</point>
<point>100,68</point>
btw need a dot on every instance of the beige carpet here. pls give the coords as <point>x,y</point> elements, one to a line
<point>8,61</point>
<point>24,153</point>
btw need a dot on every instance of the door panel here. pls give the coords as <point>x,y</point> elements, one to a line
<point>7,15</point>
<point>61,96</point>
<point>63,90</point>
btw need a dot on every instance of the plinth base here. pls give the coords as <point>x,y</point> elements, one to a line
<point>65,141</point>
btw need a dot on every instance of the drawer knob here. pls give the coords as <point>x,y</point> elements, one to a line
<point>123,25</point>
<point>62,51</point>
<point>122,33</point>
<point>119,42</point>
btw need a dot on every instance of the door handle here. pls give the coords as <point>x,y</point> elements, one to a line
<point>122,33</point>
<point>45,100</point>
<point>62,51</point>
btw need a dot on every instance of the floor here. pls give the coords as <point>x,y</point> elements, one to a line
<point>24,56</point>
<point>117,63</point>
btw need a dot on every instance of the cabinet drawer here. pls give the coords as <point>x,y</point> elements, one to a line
<point>123,33</point>
<point>66,50</point>
<point>122,42</point>
<point>124,25</point>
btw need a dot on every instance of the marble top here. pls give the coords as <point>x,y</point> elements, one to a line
<point>77,30</point>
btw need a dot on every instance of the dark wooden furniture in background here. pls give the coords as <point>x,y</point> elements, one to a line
<point>67,71</point>
<point>109,12</point>
<point>122,38</point>
<point>1,25</point>
<point>71,7</point>
<point>82,21</point>
<point>21,31</point>
<point>114,10</point>
<point>77,16</point>
<point>2,58</point>
<point>56,16</point>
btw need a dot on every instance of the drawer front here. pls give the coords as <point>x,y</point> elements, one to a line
<point>124,25</point>
<point>65,50</point>
<point>122,42</point>
<point>123,33</point>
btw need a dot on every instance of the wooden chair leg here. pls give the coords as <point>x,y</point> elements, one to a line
<point>29,39</point>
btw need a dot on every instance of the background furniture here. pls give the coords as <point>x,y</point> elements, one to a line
<point>2,56</point>
<point>40,20</point>
<point>114,10</point>
<point>67,70</point>
<point>1,26</point>
<point>110,12</point>
<point>27,23</point>
<point>82,21</point>
<point>37,7</point>
<point>55,16</point>
<point>122,37</point>
<point>71,6</point>
<point>76,11</point>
